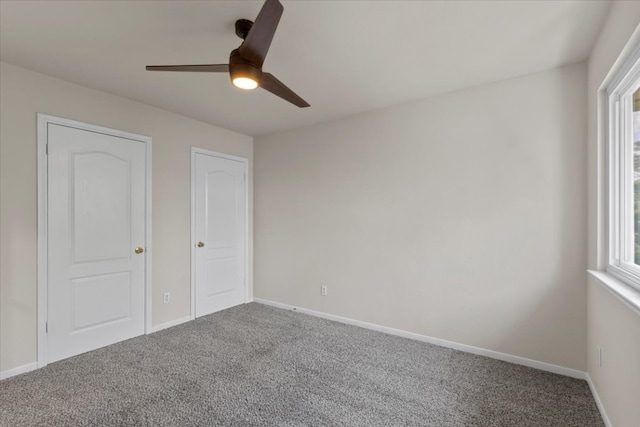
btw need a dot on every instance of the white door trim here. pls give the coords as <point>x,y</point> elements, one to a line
<point>42,295</point>
<point>245,162</point>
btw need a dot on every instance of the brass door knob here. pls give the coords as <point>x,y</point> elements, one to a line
<point>139,250</point>
<point>200,244</point>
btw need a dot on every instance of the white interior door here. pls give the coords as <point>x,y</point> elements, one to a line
<point>96,220</point>
<point>219,231</point>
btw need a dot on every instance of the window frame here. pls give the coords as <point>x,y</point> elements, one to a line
<point>620,164</point>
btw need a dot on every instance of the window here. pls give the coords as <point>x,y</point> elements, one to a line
<point>624,172</point>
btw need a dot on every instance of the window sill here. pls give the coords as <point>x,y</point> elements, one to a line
<point>619,289</point>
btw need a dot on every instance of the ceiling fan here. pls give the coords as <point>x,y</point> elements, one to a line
<point>245,62</point>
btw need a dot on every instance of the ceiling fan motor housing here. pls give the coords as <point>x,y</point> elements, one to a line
<point>240,67</point>
<point>242,28</point>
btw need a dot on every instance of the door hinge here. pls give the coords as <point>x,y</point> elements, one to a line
<point>46,327</point>
<point>46,149</point>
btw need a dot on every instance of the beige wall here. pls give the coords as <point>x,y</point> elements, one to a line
<point>460,217</point>
<point>25,93</point>
<point>611,325</point>
<point>615,328</point>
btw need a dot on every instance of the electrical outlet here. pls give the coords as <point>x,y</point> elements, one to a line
<point>323,291</point>
<point>167,297</point>
<point>600,356</point>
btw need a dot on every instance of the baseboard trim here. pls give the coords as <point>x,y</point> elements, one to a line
<point>170,324</point>
<point>33,366</point>
<point>596,397</point>
<point>544,366</point>
<point>19,370</point>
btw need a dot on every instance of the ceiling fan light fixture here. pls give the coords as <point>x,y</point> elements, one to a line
<point>245,83</point>
<point>244,75</point>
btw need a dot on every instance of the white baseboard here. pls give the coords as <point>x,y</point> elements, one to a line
<point>19,370</point>
<point>556,369</point>
<point>594,392</point>
<point>166,325</point>
<point>33,366</point>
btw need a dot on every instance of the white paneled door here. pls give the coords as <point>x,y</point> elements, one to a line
<point>96,240</point>
<point>219,232</point>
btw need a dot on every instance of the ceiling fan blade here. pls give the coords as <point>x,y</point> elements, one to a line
<point>256,44</point>
<point>276,87</point>
<point>206,68</point>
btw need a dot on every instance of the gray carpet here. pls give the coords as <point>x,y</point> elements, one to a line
<point>255,365</point>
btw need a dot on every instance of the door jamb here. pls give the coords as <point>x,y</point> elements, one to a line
<point>43,121</point>
<point>245,162</point>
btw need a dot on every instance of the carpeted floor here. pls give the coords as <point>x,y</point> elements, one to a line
<point>255,365</point>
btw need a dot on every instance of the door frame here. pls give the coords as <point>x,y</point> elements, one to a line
<point>245,162</point>
<point>43,120</point>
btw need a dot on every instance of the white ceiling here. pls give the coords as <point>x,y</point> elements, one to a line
<point>343,57</point>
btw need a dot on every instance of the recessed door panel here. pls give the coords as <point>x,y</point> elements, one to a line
<point>100,300</point>
<point>96,219</point>
<point>220,221</point>
<point>100,205</point>
<point>221,210</point>
<point>225,272</point>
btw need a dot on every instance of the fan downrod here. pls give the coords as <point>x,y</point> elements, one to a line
<point>242,28</point>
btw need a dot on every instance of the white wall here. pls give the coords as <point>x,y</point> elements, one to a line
<point>24,93</point>
<point>611,325</point>
<point>460,217</point>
